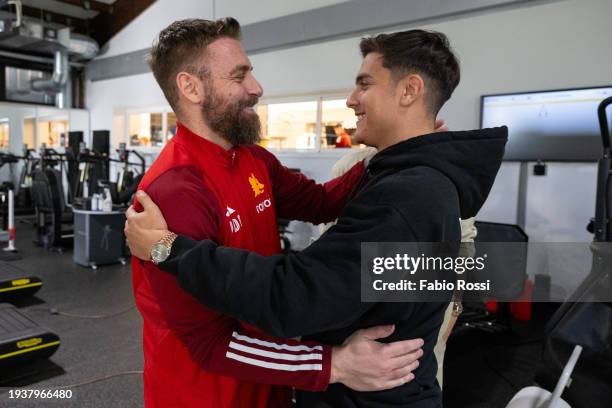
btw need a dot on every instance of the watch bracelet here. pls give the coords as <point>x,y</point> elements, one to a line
<point>168,239</point>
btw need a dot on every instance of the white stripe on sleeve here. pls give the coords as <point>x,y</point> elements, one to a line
<point>276,346</point>
<point>275,355</point>
<point>274,366</point>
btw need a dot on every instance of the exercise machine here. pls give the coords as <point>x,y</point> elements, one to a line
<point>587,320</point>
<point>22,340</point>
<point>94,176</point>
<point>54,215</point>
<point>493,316</point>
<point>16,284</point>
<point>23,192</point>
<point>129,177</point>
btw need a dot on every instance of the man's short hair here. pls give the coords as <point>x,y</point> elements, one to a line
<point>427,53</point>
<point>181,47</point>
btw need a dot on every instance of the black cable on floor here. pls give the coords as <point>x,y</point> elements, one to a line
<point>95,380</point>
<point>54,311</point>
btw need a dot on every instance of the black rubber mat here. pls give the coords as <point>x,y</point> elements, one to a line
<point>16,283</point>
<point>22,340</point>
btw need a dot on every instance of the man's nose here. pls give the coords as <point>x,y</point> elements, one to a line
<point>351,101</point>
<point>255,88</point>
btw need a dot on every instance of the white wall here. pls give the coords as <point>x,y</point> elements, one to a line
<point>131,91</point>
<point>141,32</point>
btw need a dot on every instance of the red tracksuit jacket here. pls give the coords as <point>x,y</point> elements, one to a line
<point>194,356</point>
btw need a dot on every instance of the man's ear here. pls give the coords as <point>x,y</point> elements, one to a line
<point>190,87</point>
<point>412,88</point>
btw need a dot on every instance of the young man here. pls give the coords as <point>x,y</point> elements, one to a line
<point>212,182</point>
<point>417,188</point>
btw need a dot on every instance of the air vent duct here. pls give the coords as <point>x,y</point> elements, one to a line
<point>57,83</point>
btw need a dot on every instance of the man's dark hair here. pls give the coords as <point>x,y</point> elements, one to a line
<point>426,53</point>
<point>181,47</point>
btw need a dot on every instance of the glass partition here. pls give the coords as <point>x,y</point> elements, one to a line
<point>289,125</point>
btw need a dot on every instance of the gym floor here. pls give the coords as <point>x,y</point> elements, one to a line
<point>99,358</point>
<point>91,348</point>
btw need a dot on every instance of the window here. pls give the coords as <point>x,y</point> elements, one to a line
<point>289,125</point>
<point>295,125</point>
<point>145,129</point>
<point>338,124</point>
<point>4,133</point>
<point>51,130</point>
<point>118,133</point>
<point>29,132</point>
<point>171,125</point>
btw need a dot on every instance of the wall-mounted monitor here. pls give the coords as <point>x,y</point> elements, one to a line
<point>556,125</point>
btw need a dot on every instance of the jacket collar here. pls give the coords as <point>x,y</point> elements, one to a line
<point>205,150</point>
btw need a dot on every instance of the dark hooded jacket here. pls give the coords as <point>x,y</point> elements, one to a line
<point>413,191</point>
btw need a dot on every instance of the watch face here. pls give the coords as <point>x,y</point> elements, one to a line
<point>159,252</point>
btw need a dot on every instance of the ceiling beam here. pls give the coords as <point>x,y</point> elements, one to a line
<point>104,26</point>
<point>90,5</point>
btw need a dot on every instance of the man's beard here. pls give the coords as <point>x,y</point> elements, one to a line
<point>230,120</point>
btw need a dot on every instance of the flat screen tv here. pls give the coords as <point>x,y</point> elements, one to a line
<point>557,125</point>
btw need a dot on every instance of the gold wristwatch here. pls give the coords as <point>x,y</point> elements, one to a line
<point>161,249</point>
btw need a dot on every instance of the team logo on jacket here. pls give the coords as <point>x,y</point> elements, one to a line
<point>256,185</point>
<point>235,222</point>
